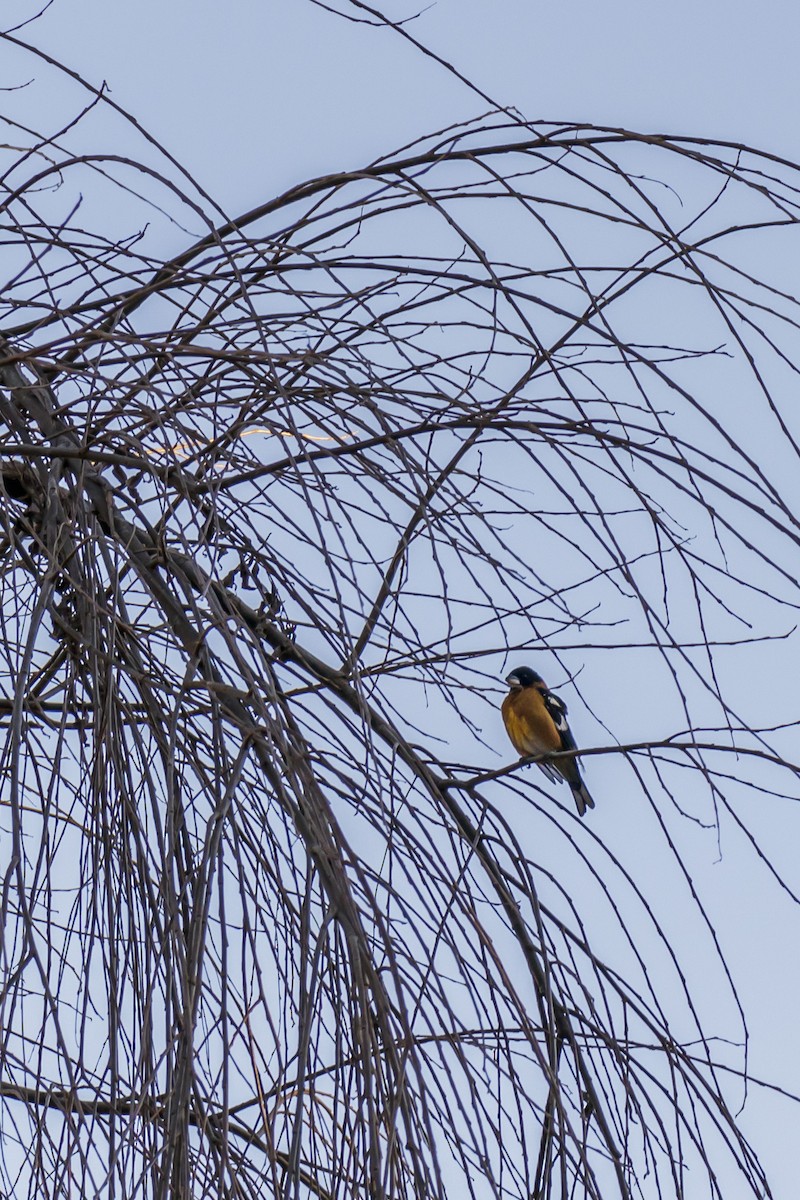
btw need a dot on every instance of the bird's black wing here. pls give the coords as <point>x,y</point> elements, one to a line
<point>558,711</point>
<point>570,771</point>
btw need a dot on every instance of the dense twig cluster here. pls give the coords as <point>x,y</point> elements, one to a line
<point>275,509</point>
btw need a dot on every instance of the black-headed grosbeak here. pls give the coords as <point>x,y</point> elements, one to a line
<point>536,721</point>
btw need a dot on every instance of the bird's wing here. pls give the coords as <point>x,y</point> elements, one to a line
<point>552,773</point>
<point>558,711</point>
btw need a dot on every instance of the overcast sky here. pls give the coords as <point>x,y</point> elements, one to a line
<point>251,95</point>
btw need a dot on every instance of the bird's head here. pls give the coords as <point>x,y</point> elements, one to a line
<point>522,677</point>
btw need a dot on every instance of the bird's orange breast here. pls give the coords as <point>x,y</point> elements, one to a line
<point>528,723</point>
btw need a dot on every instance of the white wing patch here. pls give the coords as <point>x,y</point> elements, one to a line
<point>557,710</point>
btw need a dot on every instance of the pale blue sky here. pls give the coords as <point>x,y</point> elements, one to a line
<point>253,94</point>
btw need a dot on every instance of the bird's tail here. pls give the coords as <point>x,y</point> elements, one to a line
<point>582,796</point>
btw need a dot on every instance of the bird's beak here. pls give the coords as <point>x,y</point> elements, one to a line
<point>513,680</point>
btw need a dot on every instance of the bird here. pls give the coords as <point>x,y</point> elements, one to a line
<point>536,722</point>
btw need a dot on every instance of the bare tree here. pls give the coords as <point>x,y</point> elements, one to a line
<point>277,511</point>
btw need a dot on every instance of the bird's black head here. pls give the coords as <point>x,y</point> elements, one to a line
<point>522,677</point>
